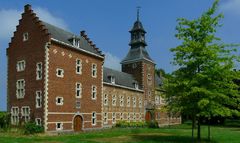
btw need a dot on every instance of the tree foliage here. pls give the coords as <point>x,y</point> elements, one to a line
<point>203,85</point>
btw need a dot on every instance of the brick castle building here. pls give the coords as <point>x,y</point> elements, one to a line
<point>57,79</point>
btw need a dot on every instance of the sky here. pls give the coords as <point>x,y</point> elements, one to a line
<point>107,23</point>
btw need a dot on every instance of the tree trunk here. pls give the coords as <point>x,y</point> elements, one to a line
<point>193,126</point>
<point>199,131</point>
<point>209,133</point>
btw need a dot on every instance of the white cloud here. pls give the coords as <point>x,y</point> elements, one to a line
<point>231,6</point>
<point>46,16</point>
<point>112,61</point>
<point>10,19</point>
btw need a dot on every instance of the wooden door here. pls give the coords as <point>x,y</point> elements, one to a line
<point>148,116</point>
<point>78,123</point>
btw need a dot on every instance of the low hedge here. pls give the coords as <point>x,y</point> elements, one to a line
<point>137,124</point>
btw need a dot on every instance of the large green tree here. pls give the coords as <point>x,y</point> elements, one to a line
<point>203,85</point>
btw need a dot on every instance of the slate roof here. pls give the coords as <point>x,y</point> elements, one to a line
<point>125,79</point>
<point>136,54</point>
<point>121,78</point>
<point>138,26</point>
<point>65,36</point>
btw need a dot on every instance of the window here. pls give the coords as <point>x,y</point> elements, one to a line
<point>121,100</point>
<point>20,92</point>
<point>60,72</point>
<point>78,105</point>
<point>38,121</point>
<point>113,117</point>
<point>140,102</point>
<point>134,101</point>
<point>149,95</point>
<point>105,99</point>
<point>59,126</point>
<point>76,42</point>
<point>94,92</point>
<point>94,118</point>
<point>121,116</point>
<point>59,100</point>
<point>136,85</point>
<point>157,99</point>
<point>112,78</point>
<point>134,116</point>
<point>78,90</point>
<point>128,101</point>
<point>38,99</point>
<point>21,65</point>
<point>105,118</point>
<point>25,36</point>
<point>14,115</point>
<point>26,113</point>
<point>78,66</point>
<point>94,70</point>
<point>128,117</point>
<point>39,71</point>
<point>114,100</point>
<point>140,116</point>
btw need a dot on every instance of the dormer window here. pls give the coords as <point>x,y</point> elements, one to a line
<point>112,78</point>
<point>76,42</point>
<point>135,85</point>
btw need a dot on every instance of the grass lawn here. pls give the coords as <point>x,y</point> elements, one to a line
<point>173,134</point>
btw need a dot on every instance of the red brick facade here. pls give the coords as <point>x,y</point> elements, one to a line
<point>44,86</point>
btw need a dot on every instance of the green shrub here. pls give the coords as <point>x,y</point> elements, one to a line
<point>32,128</point>
<point>5,120</point>
<point>152,124</point>
<point>126,124</point>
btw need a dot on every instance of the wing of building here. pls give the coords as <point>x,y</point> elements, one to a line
<point>57,79</point>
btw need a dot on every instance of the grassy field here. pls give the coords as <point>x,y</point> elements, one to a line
<point>173,134</point>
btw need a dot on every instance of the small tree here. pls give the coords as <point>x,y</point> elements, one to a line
<point>203,85</point>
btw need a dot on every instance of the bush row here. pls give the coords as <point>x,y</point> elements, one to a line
<point>139,124</point>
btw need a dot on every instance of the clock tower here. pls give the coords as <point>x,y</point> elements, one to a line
<point>141,66</point>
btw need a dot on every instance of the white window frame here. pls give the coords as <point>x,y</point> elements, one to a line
<point>94,70</point>
<point>38,99</point>
<point>25,114</point>
<point>38,121</point>
<point>113,117</point>
<point>140,102</point>
<point>121,116</point>
<point>105,101</point>
<point>114,100</point>
<point>121,100</point>
<point>134,101</point>
<point>94,118</point>
<point>25,36</point>
<point>20,88</point>
<point>62,72</point>
<point>21,65</point>
<point>39,69</point>
<point>134,116</point>
<point>61,126</point>
<point>76,42</point>
<point>78,66</point>
<point>14,115</point>
<point>128,101</point>
<point>94,92</point>
<point>128,117</point>
<point>105,116</point>
<point>61,98</point>
<point>136,86</point>
<point>113,80</point>
<point>78,90</point>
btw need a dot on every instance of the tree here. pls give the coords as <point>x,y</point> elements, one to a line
<point>203,85</point>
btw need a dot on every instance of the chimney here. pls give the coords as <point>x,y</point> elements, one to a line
<point>82,33</point>
<point>27,7</point>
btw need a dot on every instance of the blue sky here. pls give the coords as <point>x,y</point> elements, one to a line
<point>107,23</point>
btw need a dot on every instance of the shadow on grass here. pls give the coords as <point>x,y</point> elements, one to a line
<point>167,139</point>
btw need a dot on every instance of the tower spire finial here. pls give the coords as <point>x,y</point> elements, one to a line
<point>138,9</point>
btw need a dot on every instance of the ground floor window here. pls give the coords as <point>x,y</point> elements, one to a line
<point>59,126</point>
<point>38,121</point>
<point>14,115</point>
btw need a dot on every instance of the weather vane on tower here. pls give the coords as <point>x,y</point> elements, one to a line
<point>138,9</point>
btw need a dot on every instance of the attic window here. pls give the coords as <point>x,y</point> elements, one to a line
<point>135,85</point>
<point>76,42</point>
<point>112,78</point>
<point>25,36</point>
